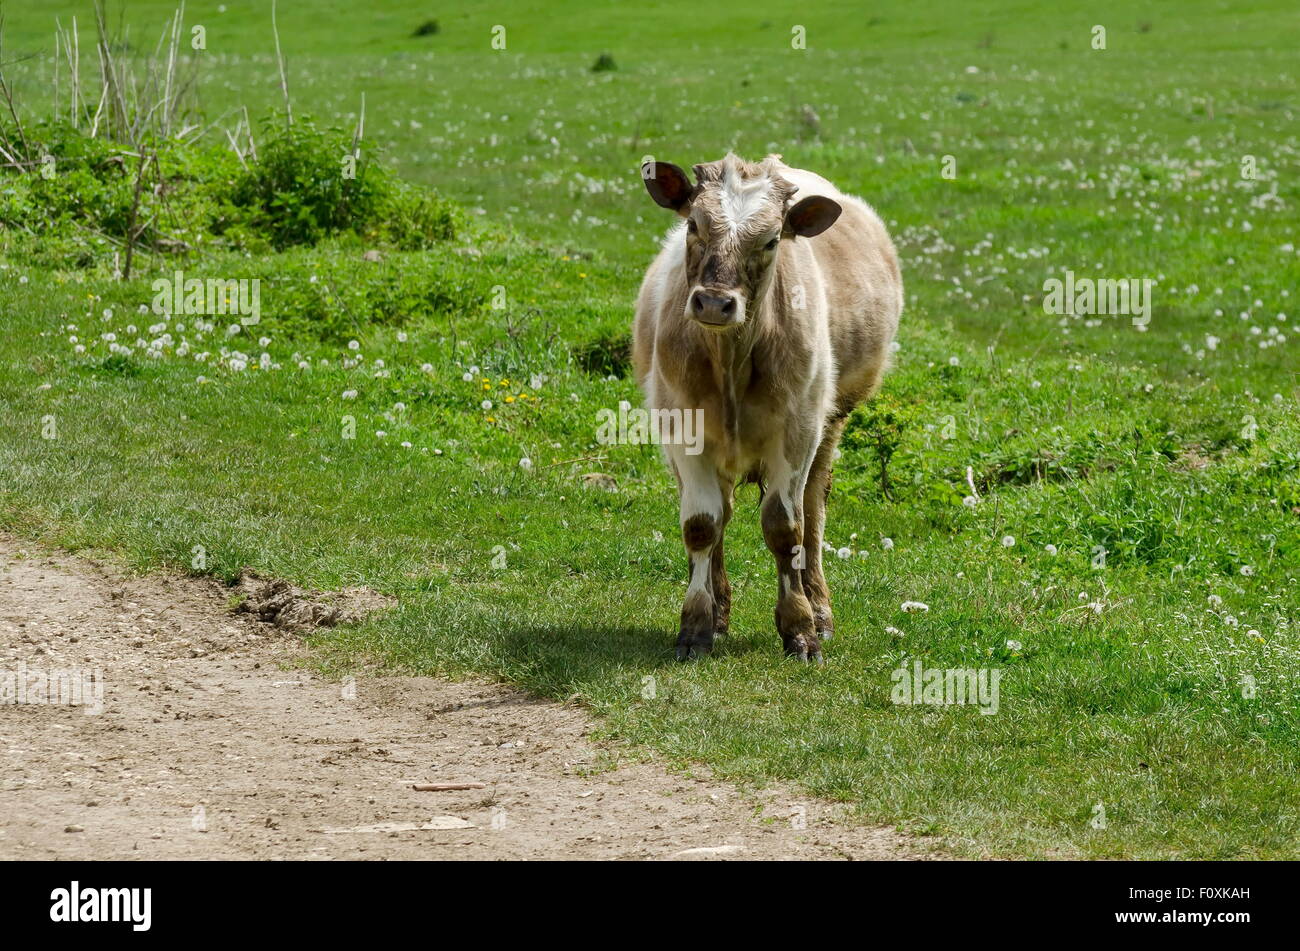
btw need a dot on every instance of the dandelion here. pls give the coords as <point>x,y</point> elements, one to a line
<point>915,607</point>
<point>380,433</point>
<point>1214,600</point>
<point>887,544</point>
<point>264,342</point>
<point>1008,541</point>
<point>893,631</point>
<point>1247,570</point>
<point>844,552</point>
<point>349,394</point>
<point>232,330</point>
<point>399,407</point>
<point>353,345</point>
<point>426,367</point>
<point>401,336</point>
<point>970,501</point>
<point>1014,645</point>
<point>406,445</point>
<point>954,362</point>
<point>486,404</point>
<point>467,377</point>
<point>526,464</point>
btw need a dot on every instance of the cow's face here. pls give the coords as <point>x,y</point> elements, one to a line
<point>737,215</point>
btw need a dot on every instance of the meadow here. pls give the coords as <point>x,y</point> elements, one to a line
<point>1105,510</point>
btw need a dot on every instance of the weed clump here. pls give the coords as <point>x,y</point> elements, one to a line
<point>87,199</point>
<point>607,355</point>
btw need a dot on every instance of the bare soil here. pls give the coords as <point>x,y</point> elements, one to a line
<point>213,742</point>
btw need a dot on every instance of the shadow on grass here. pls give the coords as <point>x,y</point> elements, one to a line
<point>562,658</point>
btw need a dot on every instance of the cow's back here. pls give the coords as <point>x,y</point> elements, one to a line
<point>862,283</point>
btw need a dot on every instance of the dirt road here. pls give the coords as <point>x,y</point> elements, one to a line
<point>208,743</point>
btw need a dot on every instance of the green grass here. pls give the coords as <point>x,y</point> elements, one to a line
<point>1180,459</point>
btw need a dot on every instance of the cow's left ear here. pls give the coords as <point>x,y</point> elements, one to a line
<point>811,216</point>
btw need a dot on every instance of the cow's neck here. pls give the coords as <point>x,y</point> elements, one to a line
<point>731,356</point>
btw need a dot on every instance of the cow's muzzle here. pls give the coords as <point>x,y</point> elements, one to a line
<point>715,308</point>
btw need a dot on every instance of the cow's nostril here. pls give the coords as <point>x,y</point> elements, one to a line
<point>729,307</point>
<point>697,303</point>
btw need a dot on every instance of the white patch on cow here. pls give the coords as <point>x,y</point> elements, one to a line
<point>699,572</point>
<point>741,198</point>
<point>701,495</point>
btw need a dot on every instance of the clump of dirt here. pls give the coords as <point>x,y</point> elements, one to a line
<point>1193,459</point>
<point>600,480</point>
<point>277,602</point>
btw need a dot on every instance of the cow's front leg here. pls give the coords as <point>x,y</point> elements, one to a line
<point>703,517</point>
<point>783,532</point>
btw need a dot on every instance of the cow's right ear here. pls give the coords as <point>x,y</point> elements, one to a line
<point>668,186</point>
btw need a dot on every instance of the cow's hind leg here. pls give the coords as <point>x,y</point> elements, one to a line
<point>718,569</point>
<point>815,494</point>
<point>703,516</point>
<point>783,532</point>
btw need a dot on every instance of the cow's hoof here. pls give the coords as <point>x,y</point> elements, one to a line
<point>687,652</point>
<point>693,647</point>
<point>825,624</point>
<point>805,648</point>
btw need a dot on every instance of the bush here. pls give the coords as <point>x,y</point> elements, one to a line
<point>298,192</point>
<point>307,184</point>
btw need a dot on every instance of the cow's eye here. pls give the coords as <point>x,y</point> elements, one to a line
<point>691,226</point>
<point>771,245</point>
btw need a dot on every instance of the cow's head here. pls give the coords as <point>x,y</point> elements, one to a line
<point>737,213</point>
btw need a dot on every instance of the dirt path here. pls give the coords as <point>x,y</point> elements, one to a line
<point>208,744</point>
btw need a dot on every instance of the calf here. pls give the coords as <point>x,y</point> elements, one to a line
<point>771,308</point>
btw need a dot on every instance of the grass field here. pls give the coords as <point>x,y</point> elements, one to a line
<point>1148,666</point>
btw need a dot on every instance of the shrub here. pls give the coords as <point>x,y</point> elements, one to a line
<point>194,197</point>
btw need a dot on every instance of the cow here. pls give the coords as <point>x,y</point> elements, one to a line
<point>771,308</point>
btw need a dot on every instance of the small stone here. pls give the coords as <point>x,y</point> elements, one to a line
<point>600,480</point>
